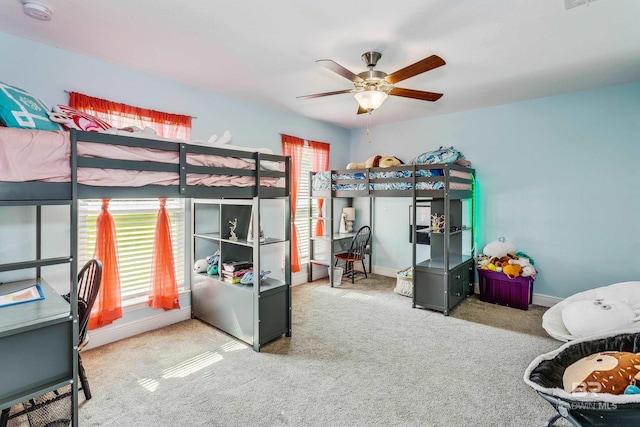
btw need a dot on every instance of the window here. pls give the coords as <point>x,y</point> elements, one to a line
<point>303,210</point>
<point>306,156</point>
<point>135,222</point>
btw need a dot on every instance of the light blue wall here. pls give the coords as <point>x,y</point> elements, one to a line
<point>47,72</point>
<point>558,176</point>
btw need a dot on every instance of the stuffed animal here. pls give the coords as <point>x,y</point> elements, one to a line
<point>489,263</point>
<point>483,260</point>
<point>212,262</point>
<point>613,372</point>
<point>200,266</point>
<point>511,270</point>
<point>520,261</point>
<point>499,248</point>
<point>528,271</point>
<point>377,162</point>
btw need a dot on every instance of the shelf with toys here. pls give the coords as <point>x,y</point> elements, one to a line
<point>241,279</point>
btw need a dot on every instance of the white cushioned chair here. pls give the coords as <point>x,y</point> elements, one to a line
<point>611,307</point>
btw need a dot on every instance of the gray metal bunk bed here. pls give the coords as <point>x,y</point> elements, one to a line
<point>443,280</point>
<point>43,334</point>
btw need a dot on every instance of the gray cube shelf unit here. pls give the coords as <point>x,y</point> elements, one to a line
<point>43,334</point>
<point>257,312</point>
<point>442,280</point>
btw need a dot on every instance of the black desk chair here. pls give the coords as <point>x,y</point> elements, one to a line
<point>88,285</point>
<point>357,252</point>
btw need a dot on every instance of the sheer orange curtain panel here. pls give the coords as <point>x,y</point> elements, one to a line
<point>319,162</point>
<point>164,288</point>
<point>108,305</point>
<point>293,146</point>
<point>120,115</point>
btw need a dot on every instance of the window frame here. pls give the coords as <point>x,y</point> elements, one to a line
<point>128,213</point>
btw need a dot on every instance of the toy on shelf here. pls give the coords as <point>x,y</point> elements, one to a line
<point>207,265</point>
<point>437,223</point>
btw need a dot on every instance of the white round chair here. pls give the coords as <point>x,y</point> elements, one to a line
<point>616,301</point>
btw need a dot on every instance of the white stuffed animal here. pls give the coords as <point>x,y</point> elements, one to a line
<point>521,261</point>
<point>200,266</point>
<point>499,248</point>
<point>528,271</point>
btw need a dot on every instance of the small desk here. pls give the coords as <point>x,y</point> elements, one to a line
<point>36,345</point>
<point>339,242</point>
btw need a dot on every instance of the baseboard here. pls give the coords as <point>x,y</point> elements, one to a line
<point>115,332</point>
<point>300,277</point>
<point>545,300</point>
<point>384,271</point>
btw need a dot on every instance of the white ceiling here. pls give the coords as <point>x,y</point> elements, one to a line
<point>497,51</point>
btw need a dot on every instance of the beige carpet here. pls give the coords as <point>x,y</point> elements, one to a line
<point>471,309</point>
<point>359,355</point>
<point>512,319</point>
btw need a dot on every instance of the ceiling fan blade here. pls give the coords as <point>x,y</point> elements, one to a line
<point>318,95</point>
<point>361,110</point>
<point>433,61</point>
<point>339,69</point>
<point>415,94</point>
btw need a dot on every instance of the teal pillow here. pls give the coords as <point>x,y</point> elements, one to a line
<point>20,109</point>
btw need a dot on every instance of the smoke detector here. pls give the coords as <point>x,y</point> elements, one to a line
<point>37,10</point>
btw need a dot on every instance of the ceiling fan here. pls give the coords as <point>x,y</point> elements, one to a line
<point>372,87</point>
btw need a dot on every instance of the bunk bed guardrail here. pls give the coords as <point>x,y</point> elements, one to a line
<point>432,180</point>
<point>231,174</point>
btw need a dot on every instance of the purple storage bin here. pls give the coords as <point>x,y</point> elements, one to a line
<point>497,288</point>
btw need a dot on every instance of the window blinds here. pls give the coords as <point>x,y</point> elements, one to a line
<point>135,221</point>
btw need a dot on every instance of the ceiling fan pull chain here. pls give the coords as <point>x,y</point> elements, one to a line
<point>369,126</point>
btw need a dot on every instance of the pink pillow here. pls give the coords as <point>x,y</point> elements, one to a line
<point>71,118</point>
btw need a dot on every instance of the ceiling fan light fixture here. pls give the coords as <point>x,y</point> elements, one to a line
<point>370,99</point>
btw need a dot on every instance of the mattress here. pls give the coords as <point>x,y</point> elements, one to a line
<point>321,181</point>
<point>33,155</point>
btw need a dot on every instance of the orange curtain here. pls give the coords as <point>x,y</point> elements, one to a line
<point>292,146</point>
<point>164,288</point>
<point>107,306</point>
<point>319,163</point>
<point>120,115</point>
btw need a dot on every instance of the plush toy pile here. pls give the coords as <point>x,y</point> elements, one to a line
<point>501,256</point>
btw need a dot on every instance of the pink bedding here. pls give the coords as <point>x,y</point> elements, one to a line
<point>32,155</point>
